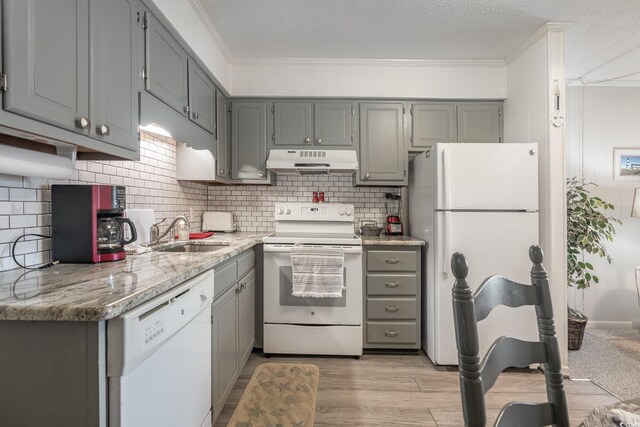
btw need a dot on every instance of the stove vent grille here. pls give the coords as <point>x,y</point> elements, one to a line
<point>312,153</point>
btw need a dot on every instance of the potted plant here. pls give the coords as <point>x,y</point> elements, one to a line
<point>589,227</point>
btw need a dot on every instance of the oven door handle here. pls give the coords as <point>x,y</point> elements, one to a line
<point>287,248</point>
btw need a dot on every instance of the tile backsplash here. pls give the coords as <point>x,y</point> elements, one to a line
<point>253,204</point>
<point>151,183</point>
<point>25,202</point>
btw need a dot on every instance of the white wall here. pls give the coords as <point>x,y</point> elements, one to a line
<point>194,26</point>
<point>611,119</point>
<point>530,80</point>
<point>396,79</point>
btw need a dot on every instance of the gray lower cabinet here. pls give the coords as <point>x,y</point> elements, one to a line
<point>249,142</point>
<point>392,297</point>
<point>74,65</point>
<point>166,66</point>
<point>233,325</point>
<point>299,124</point>
<point>432,123</point>
<point>480,122</point>
<point>382,153</point>
<point>202,98</point>
<point>223,138</point>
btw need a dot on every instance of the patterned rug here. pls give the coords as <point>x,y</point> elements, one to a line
<point>278,394</point>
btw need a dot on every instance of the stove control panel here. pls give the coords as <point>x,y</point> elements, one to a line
<point>314,212</point>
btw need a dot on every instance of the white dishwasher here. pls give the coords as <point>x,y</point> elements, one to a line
<point>159,359</point>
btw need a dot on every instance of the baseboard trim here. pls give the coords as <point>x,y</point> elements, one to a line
<point>605,324</point>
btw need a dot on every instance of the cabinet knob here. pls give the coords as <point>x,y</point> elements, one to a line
<point>103,130</point>
<point>366,176</point>
<point>82,122</point>
<point>261,175</point>
<point>221,172</point>
<point>319,141</point>
<point>307,140</point>
<point>185,109</point>
<point>195,115</point>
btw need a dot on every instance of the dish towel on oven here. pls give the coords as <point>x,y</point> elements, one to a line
<point>317,272</point>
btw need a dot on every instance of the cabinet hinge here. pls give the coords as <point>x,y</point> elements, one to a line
<point>499,113</point>
<point>403,110</point>
<point>4,83</point>
<point>144,22</point>
<point>144,73</point>
<point>405,172</point>
<point>500,139</point>
<point>411,111</point>
<point>353,137</point>
<point>229,108</point>
<point>411,138</point>
<point>273,108</point>
<point>353,111</point>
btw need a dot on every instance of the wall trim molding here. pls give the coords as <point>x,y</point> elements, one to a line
<point>608,324</point>
<point>541,32</point>
<point>490,63</point>
<point>613,83</point>
<point>206,20</point>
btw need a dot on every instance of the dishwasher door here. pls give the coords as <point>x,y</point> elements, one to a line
<point>159,360</point>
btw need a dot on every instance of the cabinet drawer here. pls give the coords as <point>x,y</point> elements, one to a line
<point>388,308</point>
<point>246,261</point>
<point>391,333</point>
<point>391,260</point>
<point>224,276</point>
<point>387,284</point>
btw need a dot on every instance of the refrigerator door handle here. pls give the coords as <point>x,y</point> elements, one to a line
<point>447,245</point>
<point>446,178</point>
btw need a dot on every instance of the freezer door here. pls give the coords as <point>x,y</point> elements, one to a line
<point>487,176</point>
<point>494,243</point>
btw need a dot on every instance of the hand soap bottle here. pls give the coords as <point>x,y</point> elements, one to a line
<point>183,230</point>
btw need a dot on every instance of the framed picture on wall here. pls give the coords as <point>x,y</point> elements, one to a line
<point>626,164</point>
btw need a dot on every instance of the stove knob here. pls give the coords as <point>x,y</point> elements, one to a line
<point>288,211</point>
<point>280,211</point>
<point>348,212</point>
<point>341,213</point>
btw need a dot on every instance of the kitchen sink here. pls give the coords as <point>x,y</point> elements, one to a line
<point>194,248</point>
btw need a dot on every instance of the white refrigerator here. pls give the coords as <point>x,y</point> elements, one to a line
<point>481,200</point>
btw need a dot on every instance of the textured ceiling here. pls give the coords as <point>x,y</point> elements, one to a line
<point>429,29</point>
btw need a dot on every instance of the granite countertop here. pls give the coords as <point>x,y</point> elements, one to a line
<point>385,240</point>
<point>93,292</point>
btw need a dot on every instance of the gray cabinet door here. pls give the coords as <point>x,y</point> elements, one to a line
<point>432,123</point>
<point>165,66</point>
<point>382,151</point>
<point>46,60</point>
<point>202,98</point>
<point>249,140</point>
<point>480,122</point>
<point>292,123</point>
<point>246,316</point>
<point>114,96</point>
<point>223,138</point>
<point>224,351</point>
<point>334,123</point>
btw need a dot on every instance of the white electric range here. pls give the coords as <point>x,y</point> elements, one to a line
<point>294,325</point>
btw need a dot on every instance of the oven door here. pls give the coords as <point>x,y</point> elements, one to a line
<point>280,306</point>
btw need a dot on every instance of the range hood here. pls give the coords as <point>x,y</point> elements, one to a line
<point>312,162</point>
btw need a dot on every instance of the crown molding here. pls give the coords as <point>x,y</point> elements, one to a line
<point>547,28</point>
<point>206,20</point>
<point>489,63</point>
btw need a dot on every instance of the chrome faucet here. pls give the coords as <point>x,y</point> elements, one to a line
<point>155,230</point>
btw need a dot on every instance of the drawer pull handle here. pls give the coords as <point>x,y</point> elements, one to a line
<point>391,333</point>
<point>392,309</point>
<point>392,260</point>
<point>392,284</point>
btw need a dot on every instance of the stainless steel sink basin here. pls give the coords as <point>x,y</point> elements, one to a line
<point>194,248</point>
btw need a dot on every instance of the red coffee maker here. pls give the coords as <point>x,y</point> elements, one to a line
<point>87,223</point>
<point>392,206</point>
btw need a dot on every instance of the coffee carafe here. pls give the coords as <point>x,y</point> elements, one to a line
<point>110,234</point>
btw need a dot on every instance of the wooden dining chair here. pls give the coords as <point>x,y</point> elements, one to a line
<point>476,376</point>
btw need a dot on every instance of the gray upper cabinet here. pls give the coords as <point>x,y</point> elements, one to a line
<point>46,60</point>
<point>480,122</point>
<point>223,138</point>
<point>249,141</point>
<point>292,123</point>
<point>432,123</point>
<point>166,69</point>
<point>383,156</point>
<point>114,104</point>
<point>202,98</point>
<point>302,124</point>
<point>334,124</point>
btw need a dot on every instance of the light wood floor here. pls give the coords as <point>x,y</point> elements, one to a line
<point>400,390</point>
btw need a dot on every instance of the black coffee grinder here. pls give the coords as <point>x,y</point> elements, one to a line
<point>392,205</point>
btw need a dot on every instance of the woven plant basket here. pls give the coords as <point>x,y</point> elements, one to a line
<point>576,332</point>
